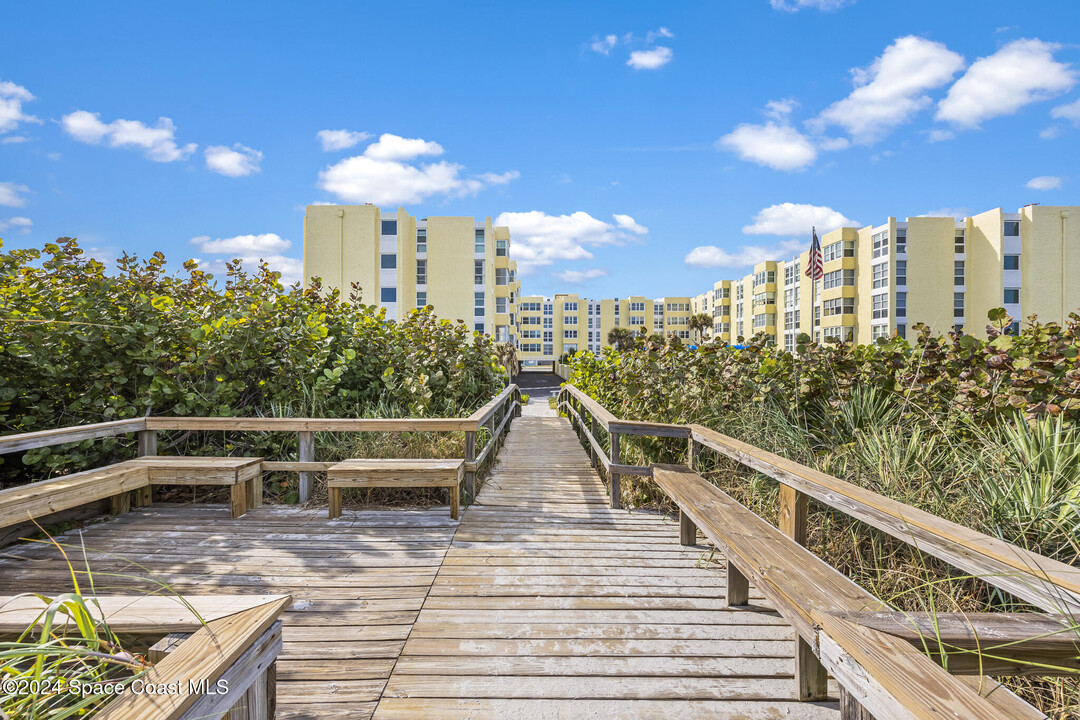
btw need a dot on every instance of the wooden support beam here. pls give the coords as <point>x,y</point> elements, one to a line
<point>470,475</point>
<point>850,709</point>
<point>738,587</point>
<point>148,446</point>
<point>687,529</point>
<point>306,454</point>
<point>811,678</point>
<point>120,503</point>
<point>793,514</point>
<point>616,459</point>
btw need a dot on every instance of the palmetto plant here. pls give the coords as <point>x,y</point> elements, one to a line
<point>621,338</point>
<point>699,324</point>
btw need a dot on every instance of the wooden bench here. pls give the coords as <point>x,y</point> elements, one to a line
<point>242,474</point>
<point>395,473</point>
<point>115,482</point>
<point>811,595</point>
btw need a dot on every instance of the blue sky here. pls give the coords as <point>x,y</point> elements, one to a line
<point>633,148</point>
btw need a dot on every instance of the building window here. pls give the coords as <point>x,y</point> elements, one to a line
<point>901,240</point>
<point>530,321</point>
<point>389,227</point>
<point>569,307</point>
<point>680,320</point>
<point>1013,329</point>
<point>388,261</point>
<point>958,244</point>
<point>1012,228</point>
<point>421,272</point>
<point>901,272</point>
<point>901,331</point>
<point>637,319</point>
<point>479,327</point>
<point>880,275</point>
<point>569,320</point>
<point>958,273</point>
<point>791,320</point>
<point>765,298</point>
<point>388,294</point>
<point>421,240</point>
<point>765,276</point>
<point>1012,262</point>
<point>421,299</point>
<point>958,305</point>
<point>880,306</point>
<point>678,307</point>
<point>569,334</point>
<point>901,305</point>
<point>500,304</point>
<point>637,307</point>
<point>549,336</point>
<point>478,304</point>
<point>880,245</point>
<point>502,248</point>
<point>501,276</point>
<point>548,322</point>
<point>817,315</point>
<point>549,349</point>
<point>478,272</point>
<point>841,333</point>
<point>1012,296</point>
<point>879,331</point>
<point>838,306</point>
<point>833,251</point>
<point>480,246</point>
<point>836,278</point>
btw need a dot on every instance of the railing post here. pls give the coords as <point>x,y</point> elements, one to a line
<point>850,709</point>
<point>592,429</point>
<point>811,679</point>
<point>307,454</point>
<point>687,529</point>
<point>693,449</point>
<point>738,586</point>
<point>147,440</point>
<point>616,459</point>
<point>470,475</point>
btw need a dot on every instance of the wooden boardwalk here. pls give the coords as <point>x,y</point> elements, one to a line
<point>542,603</point>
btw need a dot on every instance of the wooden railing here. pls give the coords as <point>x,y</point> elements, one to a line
<point>495,415</point>
<point>217,661</point>
<point>832,614</point>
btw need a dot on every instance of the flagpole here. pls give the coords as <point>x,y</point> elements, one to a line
<point>813,290</point>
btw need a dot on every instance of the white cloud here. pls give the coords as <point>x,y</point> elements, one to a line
<point>12,139</point>
<point>1022,72</point>
<point>381,176</point>
<point>1069,111</point>
<point>625,222</point>
<point>1051,131</point>
<point>711,256</point>
<point>1044,182</point>
<point>605,44</point>
<point>340,139</point>
<point>12,97</point>
<point>892,89</point>
<point>652,59</point>
<point>237,161</point>
<point>251,249</point>
<point>940,135</point>
<point>796,5</point>
<point>157,143</point>
<point>957,212</point>
<point>396,148</point>
<point>780,147</point>
<point>797,219</point>
<point>663,32</point>
<point>265,243</point>
<point>22,224</point>
<point>780,110</point>
<point>11,194</point>
<point>542,239</point>
<point>579,276</point>
<point>499,178</point>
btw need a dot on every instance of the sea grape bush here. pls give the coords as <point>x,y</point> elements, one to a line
<point>958,380</point>
<point>81,344</point>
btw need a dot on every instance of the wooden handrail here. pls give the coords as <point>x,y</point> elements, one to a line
<point>162,422</point>
<point>1039,580</point>
<point>58,436</point>
<point>484,414</point>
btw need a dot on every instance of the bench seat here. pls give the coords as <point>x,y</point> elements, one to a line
<point>242,474</point>
<point>394,473</point>
<point>20,504</point>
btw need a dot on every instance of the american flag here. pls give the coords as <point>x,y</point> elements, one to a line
<point>814,270</point>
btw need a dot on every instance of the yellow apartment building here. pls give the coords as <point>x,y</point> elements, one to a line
<point>458,265</point>
<point>568,323</point>
<point>947,273</point>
